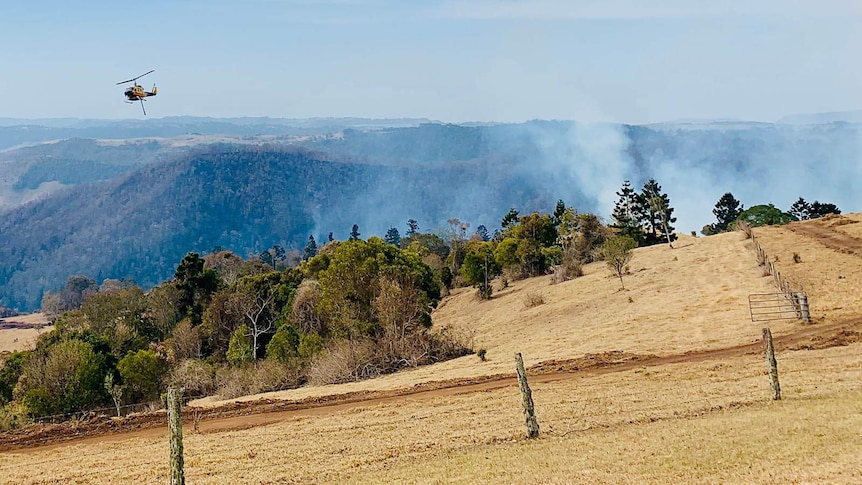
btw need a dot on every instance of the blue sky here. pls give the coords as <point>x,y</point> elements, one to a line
<point>613,60</point>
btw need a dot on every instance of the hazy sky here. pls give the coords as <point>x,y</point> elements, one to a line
<point>633,61</point>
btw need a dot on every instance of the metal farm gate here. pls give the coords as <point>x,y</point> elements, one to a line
<point>778,306</point>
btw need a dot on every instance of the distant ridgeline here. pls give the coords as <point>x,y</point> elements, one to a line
<point>132,211</point>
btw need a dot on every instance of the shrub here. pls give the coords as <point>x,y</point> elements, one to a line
<point>533,300</point>
<point>344,361</point>
<point>142,373</point>
<point>196,376</point>
<point>797,258</point>
<point>66,377</point>
<point>13,416</point>
<point>264,376</point>
<point>239,351</point>
<point>481,354</point>
<point>284,345</point>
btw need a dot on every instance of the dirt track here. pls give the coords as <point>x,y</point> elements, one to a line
<point>258,413</point>
<point>828,236</point>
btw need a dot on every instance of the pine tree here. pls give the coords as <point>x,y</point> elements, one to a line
<point>412,228</point>
<point>393,237</point>
<point>559,211</point>
<point>726,211</point>
<point>482,232</point>
<point>819,210</point>
<point>801,209</point>
<point>658,214</point>
<point>310,249</point>
<point>510,219</point>
<point>354,232</point>
<point>627,214</point>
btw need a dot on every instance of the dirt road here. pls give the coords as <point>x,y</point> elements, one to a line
<point>822,232</point>
<point>263,412</point>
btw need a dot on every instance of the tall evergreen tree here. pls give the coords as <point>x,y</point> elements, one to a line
<point>658,214</point>
<point>482,232</point>
<point>726,211</point>
<point>354,232</point>
<point>393,237</point>
<point>310,249</point>
<point>412,227</point>
<point>559,211</point>
<point>510,219</point>
<point>821,209</point>
<point>801,209</point>
<point>627,214</point>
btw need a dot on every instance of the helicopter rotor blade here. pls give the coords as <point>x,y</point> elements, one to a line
<point>135,78</point>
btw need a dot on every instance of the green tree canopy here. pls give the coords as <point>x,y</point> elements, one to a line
<point>726,211</point>
<point>765,215</point>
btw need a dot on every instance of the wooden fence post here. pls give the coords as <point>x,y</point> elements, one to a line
<point>527,398</point>
<point>802,301</point>
<point>175,423</point>
<point>771,364</point>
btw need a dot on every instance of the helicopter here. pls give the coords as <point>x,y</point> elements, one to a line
<point>136,92</point>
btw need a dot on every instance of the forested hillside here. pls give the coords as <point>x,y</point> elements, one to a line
<point>246,199</point>
<point>250,196</point>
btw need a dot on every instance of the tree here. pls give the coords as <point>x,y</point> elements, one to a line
<point>800,209</point>
<point>480,267</point>
<point>659,207</point>
<point>510,219</point>
<point>354,232</point>
<point>765,215</point>
<point>142,373</point>
<point>64,377</point>
<point>196,286</point>
<point>726,211</point>
<point>457,236</point>
<point>412,227</point>
<point>559,210</point>
<point>819,210</point>
<point>239,350</point>
<point>252,301</point>
<point>10,371</point>
<point>284,345</point>
<point>658,214</point>
<point>628,214</point>
<point>617,252</point>
<point>115,391</point>
<point>482,232</point>
<point>310,249</point>
<point>393,237</point>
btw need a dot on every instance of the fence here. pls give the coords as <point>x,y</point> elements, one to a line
<point>616,407</point>
<point>797,298</point>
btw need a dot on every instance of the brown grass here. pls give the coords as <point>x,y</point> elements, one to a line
<point>709,421</point>
<point>706,422</point>
<point>13,339</point>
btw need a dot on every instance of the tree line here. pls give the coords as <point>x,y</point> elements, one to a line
<point>332,312</point>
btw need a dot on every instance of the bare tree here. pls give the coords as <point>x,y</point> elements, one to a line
<point>254,308</point>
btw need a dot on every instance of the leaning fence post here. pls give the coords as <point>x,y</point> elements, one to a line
<point>527,398</point>
<point>771,364</point>
<point>175,423</point>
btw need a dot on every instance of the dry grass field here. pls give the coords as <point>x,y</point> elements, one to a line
<point>12,339</point>
<point>698,411</point>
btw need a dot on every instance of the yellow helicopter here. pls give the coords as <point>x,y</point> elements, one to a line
<point>136,92</point>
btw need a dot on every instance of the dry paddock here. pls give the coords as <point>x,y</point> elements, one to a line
<point>707,421</point>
